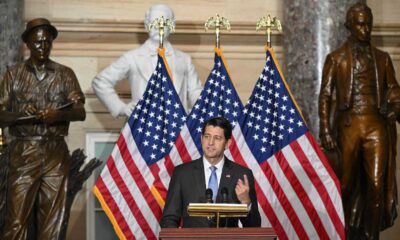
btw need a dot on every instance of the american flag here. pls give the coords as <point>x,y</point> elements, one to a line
<point>218,98</point>
<point>129,186</point>
<point>297,191</point>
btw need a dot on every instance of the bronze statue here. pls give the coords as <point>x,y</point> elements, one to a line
<point>360,81</point>
<point>38,100</point>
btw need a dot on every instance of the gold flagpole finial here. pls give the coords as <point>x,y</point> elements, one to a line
<point>161,24</point>
<point>218,23</point>
<point>269,24</point>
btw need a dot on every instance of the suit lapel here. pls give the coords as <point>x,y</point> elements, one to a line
<point>378,82</point>
<point>349,71</point>
<point>226,178</point>
<point>146,70</point>
<point>147,53</point>
<point>199,177</point>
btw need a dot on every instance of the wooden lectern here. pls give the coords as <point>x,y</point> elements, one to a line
<point>217,233</point>
<point>217,210</point>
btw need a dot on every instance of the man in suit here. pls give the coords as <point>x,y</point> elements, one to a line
<point>137,65</point>
<point>189,182</point>
<point>367,93</point>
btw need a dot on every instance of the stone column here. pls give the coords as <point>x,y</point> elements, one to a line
<point>312,29</point>
<point>11,27</point>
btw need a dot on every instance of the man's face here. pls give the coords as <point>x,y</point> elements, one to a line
<point>214,143</point>
<point>361,26</point>
<point>40,43</point>
<point>157,13</point>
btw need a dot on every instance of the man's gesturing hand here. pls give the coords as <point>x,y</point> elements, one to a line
<point>242,190</point>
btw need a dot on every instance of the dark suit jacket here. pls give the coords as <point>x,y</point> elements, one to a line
<point>337,76</point>
<point>188,186</point>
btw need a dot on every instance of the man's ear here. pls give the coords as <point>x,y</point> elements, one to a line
<point>228,143</point>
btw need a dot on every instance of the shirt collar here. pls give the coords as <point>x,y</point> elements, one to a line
<point>353,44</point>
<point>49,65</point>
<point>151,47</point>
<point>207,165</point>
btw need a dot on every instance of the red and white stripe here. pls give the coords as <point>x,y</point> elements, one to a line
<point>296,190</point>
<point>124,188</point>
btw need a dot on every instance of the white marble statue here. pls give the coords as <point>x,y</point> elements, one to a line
<point>137,65</point>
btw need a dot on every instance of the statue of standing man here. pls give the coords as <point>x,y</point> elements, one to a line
<point>137,65</point>
<point>38,100</point>
<point>362,80</point>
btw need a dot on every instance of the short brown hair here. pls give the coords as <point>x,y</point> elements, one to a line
<point>219,122</point>
<point>358,7</point>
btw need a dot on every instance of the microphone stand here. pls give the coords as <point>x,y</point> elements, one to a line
<point>224,194</point>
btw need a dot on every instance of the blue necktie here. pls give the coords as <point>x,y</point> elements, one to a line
<point>213,182</point>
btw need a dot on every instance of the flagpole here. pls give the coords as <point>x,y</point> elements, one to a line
<point>269,24</point>
<point>218,23</point>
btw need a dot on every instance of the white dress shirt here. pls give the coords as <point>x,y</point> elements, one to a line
<point>207,170</point>
<point>219,166</point>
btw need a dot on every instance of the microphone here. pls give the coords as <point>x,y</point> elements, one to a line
<point>224,194</point>
<point>209,195</point>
